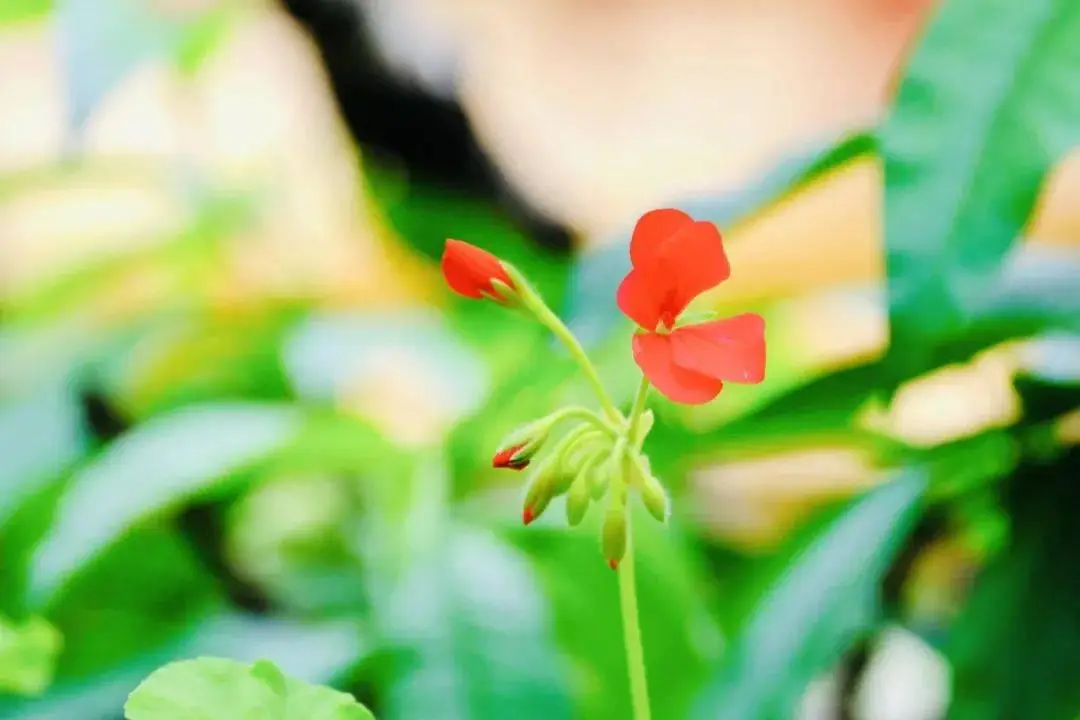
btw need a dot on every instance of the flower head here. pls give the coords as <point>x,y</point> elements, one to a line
<point>675,259</point>
<point>475,273</point>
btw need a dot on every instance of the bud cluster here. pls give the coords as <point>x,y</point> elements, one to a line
<point>592,461</point>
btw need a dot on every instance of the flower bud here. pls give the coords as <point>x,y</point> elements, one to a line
<point>613,534</point>
<point>653,495</point>
<point>598,482</point>
<point>577,500</point>
<point>518,448</point>
<point>543,486</point>
<point>476,273</point>
<point>655,498</point>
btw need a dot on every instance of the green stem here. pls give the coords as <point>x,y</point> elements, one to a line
<point>583,413</point>
<point>532,300</point>
<point>636,413</point>
<point>635,655</point>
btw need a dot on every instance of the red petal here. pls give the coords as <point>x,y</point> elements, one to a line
<point>675,259</point>
<point>732,349</point>
<point>469,270</point>
<point>642,296</point>
<point>653,230</point>
<point>653,354</point>
<point>694,261</point>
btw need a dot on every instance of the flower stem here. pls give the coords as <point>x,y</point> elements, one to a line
<point>533,302</point>
<point>636,413</point>
<point>635,656</point>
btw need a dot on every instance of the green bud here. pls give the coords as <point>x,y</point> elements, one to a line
<point>577,501</point>
<point>579,450</point>
<point>598,481</point>
<point>543,486</point>
<point>613,534</point>
<point>654,498</point>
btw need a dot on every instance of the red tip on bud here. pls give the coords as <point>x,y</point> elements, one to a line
<point>527,516</point>
<point>471,272</point>
<point>506,458</point>
<point>613,564</point>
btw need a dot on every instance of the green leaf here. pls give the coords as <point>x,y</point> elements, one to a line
<point>990,101</point>
<point>824,597</point>
<point>1015,647</point>
<point>154,468</point>
<point>105,624</point>
<point>313,652</point>
<point>474,625</point>
<point>12,11</point>
<point>210,688</point>
<point>40,434</point>
<point>28,653</point>
<point>590,307</point>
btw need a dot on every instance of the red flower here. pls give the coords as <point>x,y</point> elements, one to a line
<point>675,259</point>
<point>473,272</point>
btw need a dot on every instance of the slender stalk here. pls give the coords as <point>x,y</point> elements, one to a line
<point>556,326</point>
<point>635,655</point>
<point>636,413</point>
<point>534,303</point>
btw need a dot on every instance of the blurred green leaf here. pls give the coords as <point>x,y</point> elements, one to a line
<point>474,624</point>
<point>1015,647</point>
<point>328,354</point>
<point>425,216</point>
<point>590,307</point>
<point>195,357</point>
<point>965,465</point>
<point>219,688</point>
<point>990,101</point>
<point>153,469</point>
<point>823,598</point>
<point>105,623</point>
<point>313,652</point>
<point>678,634</point>
<point>204,35</point>
<point>40,434</point>
<point>12,11</point>
<point>28,652</point>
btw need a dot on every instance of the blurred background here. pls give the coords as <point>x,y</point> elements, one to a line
<point>241,415</point>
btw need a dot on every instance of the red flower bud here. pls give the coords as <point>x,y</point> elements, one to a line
<point>511,458</point>
<point>527,515</point>
<point>475,273</point>
<point>613,564</point>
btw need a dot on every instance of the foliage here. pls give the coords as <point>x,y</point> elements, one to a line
<point>283,486</point>
<point>219,688</point>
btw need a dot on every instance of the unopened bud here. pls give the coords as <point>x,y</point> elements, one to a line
<point>655,499</point>
<point>613,534</point>
<point>539,492</point>
<point>518,448</point>
<point>577,500</point>
<point>598,481</point>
